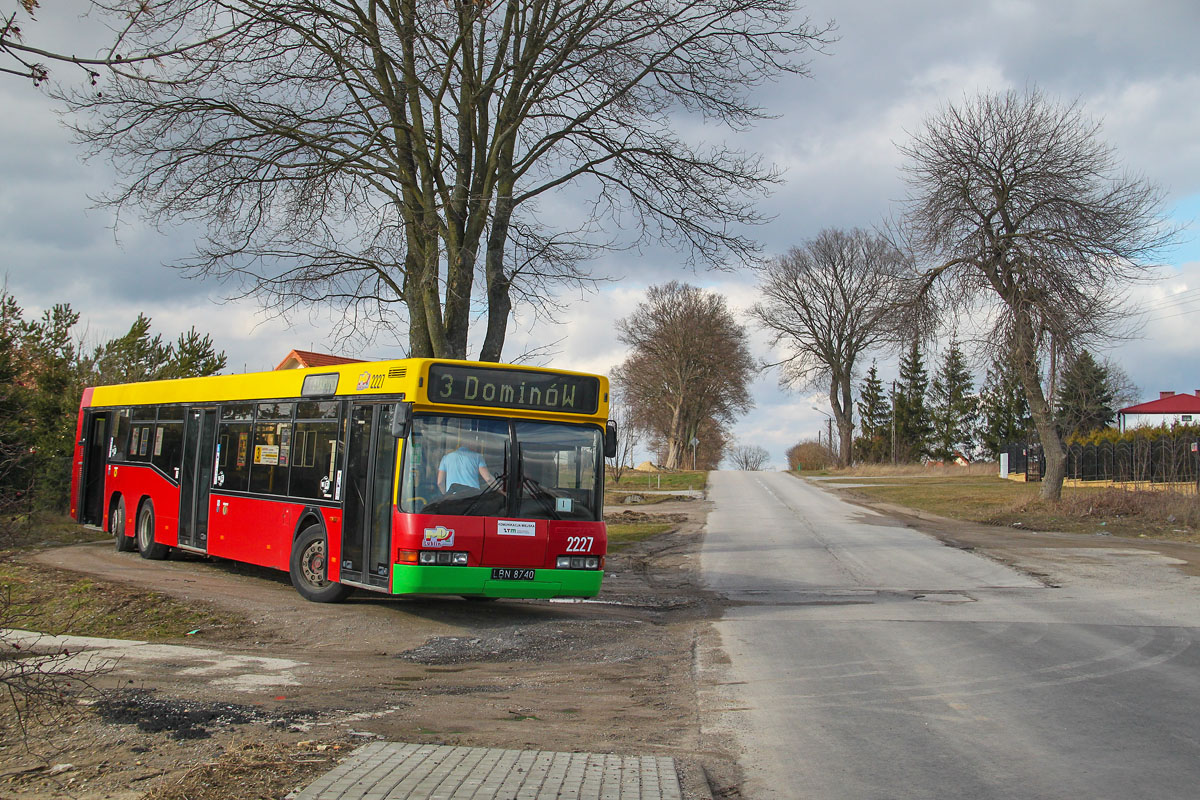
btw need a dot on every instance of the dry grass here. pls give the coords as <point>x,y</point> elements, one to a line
<point>957,494</point>
<point>1122,512</point>
<point>632,480</point>
<point>250,770</point>
<point>981,468</point>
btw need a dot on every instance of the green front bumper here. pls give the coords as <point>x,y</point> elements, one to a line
<point>412,579</point>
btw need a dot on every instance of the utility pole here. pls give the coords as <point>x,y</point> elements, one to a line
<point>893,423</point>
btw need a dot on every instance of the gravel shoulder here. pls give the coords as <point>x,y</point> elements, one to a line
<point>301,683</point>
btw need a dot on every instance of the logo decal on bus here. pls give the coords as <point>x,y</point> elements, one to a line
<point>368,381</point>
<point>441,536</point>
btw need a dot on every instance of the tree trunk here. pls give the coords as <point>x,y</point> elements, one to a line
<point>840,398</point>
<point>419,344</point>
<point>498,283</point>
<point>1053,453</point>
<point>675,440</point>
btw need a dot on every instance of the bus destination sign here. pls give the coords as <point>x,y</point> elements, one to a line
<point>511,388</point>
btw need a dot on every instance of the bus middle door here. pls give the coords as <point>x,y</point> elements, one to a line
<point>195,477</point>
<point>369,493</point>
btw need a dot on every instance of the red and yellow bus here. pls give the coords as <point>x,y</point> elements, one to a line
<point>410,476</point>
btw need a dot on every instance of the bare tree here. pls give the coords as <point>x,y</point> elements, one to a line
<point>19,58</point>
<point>380,157</point>
<point>628,434</point>
<point>40,678</point>
<point>828,302</point>
<point>690,364</point>
<point>1017,206</point>
<point>749,457</point>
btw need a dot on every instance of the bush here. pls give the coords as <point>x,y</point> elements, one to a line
<point>809,455</point>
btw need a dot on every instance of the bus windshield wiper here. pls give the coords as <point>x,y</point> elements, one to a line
<point>536,490</point>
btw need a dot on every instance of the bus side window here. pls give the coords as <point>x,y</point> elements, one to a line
<point>119,444</point>
<point>234,433</point>
<point>168,447</point>
<point>315,449</point>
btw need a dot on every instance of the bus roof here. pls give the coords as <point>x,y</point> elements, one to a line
<point>407,378</point>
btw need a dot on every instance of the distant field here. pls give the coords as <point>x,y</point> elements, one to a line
<point>991,500</point>
<point>632,480</point>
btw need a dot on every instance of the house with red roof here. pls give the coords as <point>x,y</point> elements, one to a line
<point>1169,409</point>
<point>299,359</point>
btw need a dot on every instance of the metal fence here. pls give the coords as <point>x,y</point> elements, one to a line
<point>1166,459</point>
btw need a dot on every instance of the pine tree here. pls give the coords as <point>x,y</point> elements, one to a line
<point>138,356</point>
<point>953,407</point>
<point>1004,410</point>
<point>16,474</point>
<point>193,356</point>
<point>875,418</point>
<point>913,425</point>
<point>1084,401</point>
<point>55,382</point>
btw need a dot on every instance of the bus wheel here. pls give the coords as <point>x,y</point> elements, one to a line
<point>116,526</point>
<point>147,547</point>
<point>309,568</point>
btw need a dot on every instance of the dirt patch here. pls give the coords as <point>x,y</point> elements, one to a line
<point>610,675</point>
<point>630,517</point>
<point>183,719</point>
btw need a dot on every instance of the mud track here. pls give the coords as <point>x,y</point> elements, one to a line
<point>611,675</point>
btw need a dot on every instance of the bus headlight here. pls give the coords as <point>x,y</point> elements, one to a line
<point>442,557</point>
<point>578,562</point>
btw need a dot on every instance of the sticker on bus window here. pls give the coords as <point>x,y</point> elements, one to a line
<point>158,440</point>
<point>562,505</point>
<point>133,443</point>
<point>243,440</point>
<point>266,454</point>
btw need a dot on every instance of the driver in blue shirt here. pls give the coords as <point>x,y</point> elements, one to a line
<point>463,468</point>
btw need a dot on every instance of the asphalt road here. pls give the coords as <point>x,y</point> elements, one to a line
<point>868,660</point>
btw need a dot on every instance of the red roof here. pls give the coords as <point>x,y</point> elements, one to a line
<point>1172,404</point>
<point>307,358</point>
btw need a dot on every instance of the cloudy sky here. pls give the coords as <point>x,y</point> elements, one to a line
<point>1131,65</point>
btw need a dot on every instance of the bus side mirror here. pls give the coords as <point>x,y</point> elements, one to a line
<point>610,440</point>
<point>401,419</point>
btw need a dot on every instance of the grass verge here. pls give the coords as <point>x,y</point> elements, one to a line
<point>991,500</point>
<point>633,481</point>
<point>56,601</point>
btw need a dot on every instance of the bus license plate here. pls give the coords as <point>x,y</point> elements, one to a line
<point>508,574</point>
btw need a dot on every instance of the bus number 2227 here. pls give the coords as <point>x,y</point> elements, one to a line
<point>579,544</point>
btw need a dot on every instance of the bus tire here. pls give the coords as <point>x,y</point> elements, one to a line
<point>116,526</point>
<point>309,568</point>
<point>147,547</point>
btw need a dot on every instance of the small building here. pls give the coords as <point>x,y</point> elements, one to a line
<point>1169,409</point>
<point>299,359</point>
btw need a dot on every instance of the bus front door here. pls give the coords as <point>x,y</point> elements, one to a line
<point>370,482</point>
<point>195,477</point>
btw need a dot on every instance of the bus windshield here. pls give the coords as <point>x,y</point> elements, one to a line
<point>482,466</point>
